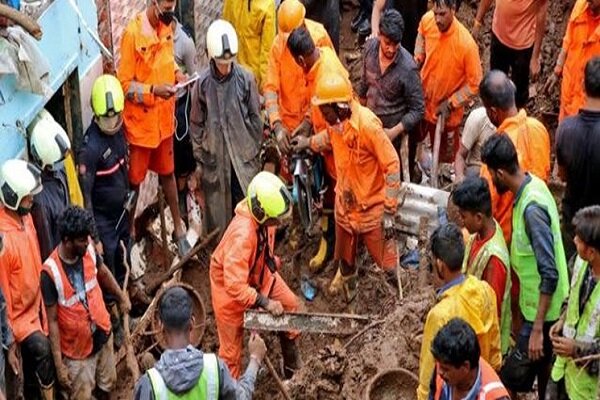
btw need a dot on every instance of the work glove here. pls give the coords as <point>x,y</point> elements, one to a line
<point>283,137</point>
<point>388,224</point>
<point>304,129</point>
<point>444,108</point>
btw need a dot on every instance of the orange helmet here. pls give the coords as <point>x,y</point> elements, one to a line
<point>332,88</point>
<point>290,15</point>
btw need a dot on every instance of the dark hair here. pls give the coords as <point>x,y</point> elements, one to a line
<point>499,152</point>
<point>592,78</point>
<point>300,42</point>
<point>473,195</point>
<point>391,25</point>
<point>456,343</point>
<point>454,4</point>
<point>447,245</point>
<point>175,309</point>
<point>76,223</point>
<point>587,226</point>
<point>497,90</point>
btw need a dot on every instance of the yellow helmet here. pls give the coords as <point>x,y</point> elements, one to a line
<point>107,96</point>
<point>268,197</point>
<point>290,15</point>
<point>332,88</point>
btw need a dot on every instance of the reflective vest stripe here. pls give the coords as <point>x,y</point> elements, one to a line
<point>58,282</point>
<point>158,385</point>
<point>211,372</point>
<point>488,388</point>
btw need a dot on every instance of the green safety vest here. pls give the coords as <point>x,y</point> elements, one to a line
<point>207,387</point>
<point>496,246</point>
<point>584,328</point>
<point>522,257</point>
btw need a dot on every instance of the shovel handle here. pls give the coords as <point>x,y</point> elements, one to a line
<point>436,151</point>
<point>275,376</point>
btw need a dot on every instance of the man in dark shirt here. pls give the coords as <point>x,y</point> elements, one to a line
<point>578,155</point>
<point>391,85</point>
<point>538,260</point>
<point>412,11</point>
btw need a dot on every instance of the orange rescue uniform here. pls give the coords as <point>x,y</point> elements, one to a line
<point>368,171</point>
<point>240,269</point>
<point>451,68</point>
<point>490,386</point>
<point>532,142</point>
<point>287,98</point>
<point>147,59</point>
<point>581,43</point>
<point>75,319</point>
<point>328,62</point>
<point>20,269</point>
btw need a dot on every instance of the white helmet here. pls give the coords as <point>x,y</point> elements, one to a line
<point>48,141</point>
<point>221,41</point>
<point>18,179</point>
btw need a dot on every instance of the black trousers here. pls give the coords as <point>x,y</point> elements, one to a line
<point>514,63</point>
<point>37,366</point>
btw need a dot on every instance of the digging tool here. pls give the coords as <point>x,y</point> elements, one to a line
<point>163,224</point>
<point>155,284</point>
<point>130,359</point>
<point>404,158</point>
<point>436,150</point>
<point>277,379</point>
<point>336,324</point>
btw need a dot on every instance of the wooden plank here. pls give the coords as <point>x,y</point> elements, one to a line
<point>338,324</point>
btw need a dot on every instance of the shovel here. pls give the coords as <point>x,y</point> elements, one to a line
<point>130,359</point>
<point>436,150</point>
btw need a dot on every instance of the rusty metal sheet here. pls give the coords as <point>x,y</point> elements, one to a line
<point>338,324</point>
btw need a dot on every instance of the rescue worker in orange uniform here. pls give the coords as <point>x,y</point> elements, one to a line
<point>244,271</point>
<point>368,185</point>
<point>20,268</point>
<point>72,281</point>
<point>580,44</point>
<point>529,136</point>
<point>450,70</point>
<point>148,73</point>
<point>315,62</point>
<point>287,97</point>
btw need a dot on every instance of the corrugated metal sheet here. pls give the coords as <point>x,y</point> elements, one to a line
<point>420,201</point>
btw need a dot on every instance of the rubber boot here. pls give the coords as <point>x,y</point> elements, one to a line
<point>326,245</point>
<point>346,284</point>
<point>117,326</point>
<point>290,355</point>
<point>47,392</point>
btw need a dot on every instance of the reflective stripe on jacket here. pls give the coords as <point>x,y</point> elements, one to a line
<point>495,247</point>
<point>580,385</point>
<point>287,98</point>
<point>76,321</point>
<point>490,386</point>
<point>20,269</point>
<point>147,59</point>
<point>581,42</point>
<point>207,387</point>
<point>367,167</point>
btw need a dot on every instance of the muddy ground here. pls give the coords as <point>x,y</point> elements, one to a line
<point>334,370</point>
